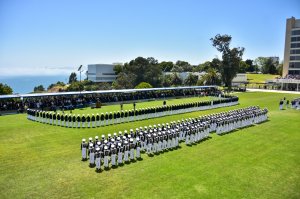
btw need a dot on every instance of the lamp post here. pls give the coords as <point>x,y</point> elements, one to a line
<point>79,69</point>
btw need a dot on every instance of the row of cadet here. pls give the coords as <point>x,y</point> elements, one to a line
<point>83,121</point>
<point>125,147</point>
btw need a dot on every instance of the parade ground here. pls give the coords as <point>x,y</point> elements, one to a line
<point>260,161</point>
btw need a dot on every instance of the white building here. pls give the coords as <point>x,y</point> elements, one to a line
<point>101,72</point>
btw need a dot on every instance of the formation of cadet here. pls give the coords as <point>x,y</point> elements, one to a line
<point>125,147</point>
<point>92,121</point>
<point>295,103</point>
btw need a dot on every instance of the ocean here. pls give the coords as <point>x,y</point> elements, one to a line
<point>25,84</point>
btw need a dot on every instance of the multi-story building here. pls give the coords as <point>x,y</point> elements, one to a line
<point>291,64</point>
<point>101,72</point>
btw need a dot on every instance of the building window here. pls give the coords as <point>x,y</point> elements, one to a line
<point>105,78</point>
<point>295,32</point>
<point>294,57</point>
<point>294,65</point>
<point>295,39</point>
<point>295,52</point>
<point>108,74</point>
<point>294,72</point>
<point>295,45</point>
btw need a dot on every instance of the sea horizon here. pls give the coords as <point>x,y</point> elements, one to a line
<point>25,83</point>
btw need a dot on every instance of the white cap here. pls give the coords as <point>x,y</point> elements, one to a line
<point>96,137</point>
<point>90,138</point>
<point>137,138</point>
<point>83,140</point>
<point>97,149</point>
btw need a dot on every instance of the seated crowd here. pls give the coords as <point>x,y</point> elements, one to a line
<point>67,102</point>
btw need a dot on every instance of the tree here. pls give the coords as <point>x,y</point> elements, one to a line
<point>186,67</point>
<point>210,78</point>
<point>166,66</point>
<point>72,78</point>
<point>39,89</point>
<point>167,81</point>
<point>75,86</point>
<point>177,69</point>
<point>244,67</point>
<point>230,57</point>
<point>267,65</point>
<point>191,80</point>
<point>279,69</point>
<point>144,70</point>
<point>176,80</point>
<point>143,85</point>
<point>251,67</point>
<point>118,69</point>
<point>5,89</point>
<point>124,81</point>
<point>204,66</point>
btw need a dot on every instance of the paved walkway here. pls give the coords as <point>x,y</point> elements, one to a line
<point>272,91</point>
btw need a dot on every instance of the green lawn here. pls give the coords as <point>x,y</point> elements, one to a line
<point>145,104</point>
<point>43,161</point>
<point>260,78</point>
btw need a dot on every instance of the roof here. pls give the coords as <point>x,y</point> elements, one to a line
<point>102,92</point>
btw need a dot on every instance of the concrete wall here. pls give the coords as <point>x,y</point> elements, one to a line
<point>101,72</point>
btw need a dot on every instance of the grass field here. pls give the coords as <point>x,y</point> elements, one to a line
<point>42,161</point>
<point>260,78</point>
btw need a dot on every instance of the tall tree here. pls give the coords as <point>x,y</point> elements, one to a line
<point>251,67</point>
<point>144,70</point>
<point>231,57</point>
<point>124,81</point>
<point>176,80</point>
<point>244,67</point>
<point>5,89</point>
<point>166,66</point>
<point>186,67</point>
<point>72,78</point>
<point>118,69</point>
<point>210,78</point>
<point>38,89</point>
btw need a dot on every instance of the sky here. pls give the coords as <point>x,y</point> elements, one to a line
<point>54,37</point>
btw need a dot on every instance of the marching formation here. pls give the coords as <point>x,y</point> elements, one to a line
<point>103,119</point>
<point>125,147</point>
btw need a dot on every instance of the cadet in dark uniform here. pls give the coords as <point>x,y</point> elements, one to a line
<point>102,117</point>
<point>93,118</point>
<point>78,121</point>
<point>88,120</point>
<point>74,121</point>
<point>70,121</point>
<point>110,117</point>
<point>54,118</point>
<point>83,120</point>
<point>106,118</point>
<point>98,120</point>
<point>66,120</point>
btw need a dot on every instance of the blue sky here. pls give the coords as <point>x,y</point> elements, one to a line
<point>55,37</point>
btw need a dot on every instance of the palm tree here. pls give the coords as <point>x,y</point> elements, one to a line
<point>210,78</point>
